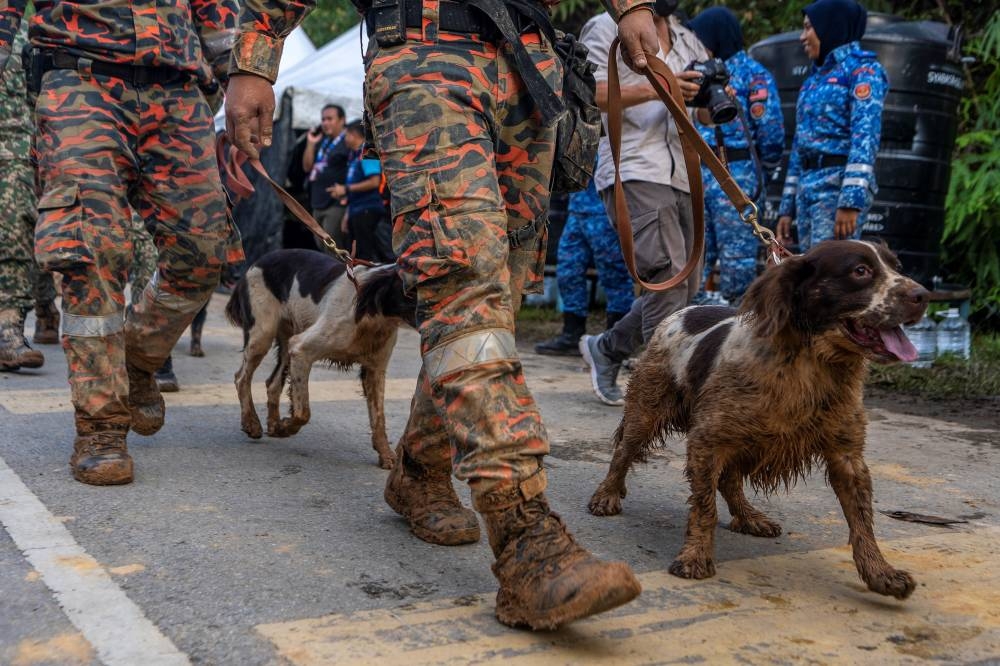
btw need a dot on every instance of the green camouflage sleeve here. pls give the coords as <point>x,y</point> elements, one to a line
<point>11,14</point>
<point>263,26</point>
<point>618,7</point>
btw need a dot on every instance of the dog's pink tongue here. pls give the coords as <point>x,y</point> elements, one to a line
<point>897,344</point>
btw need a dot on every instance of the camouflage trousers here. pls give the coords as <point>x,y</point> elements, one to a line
<point>590,238</point>
<point>466,160</point>
<point>144,256</point>
<point>816,206</point>
<point>106,148</point>
<point>728,238</point>
<point>22,284</point>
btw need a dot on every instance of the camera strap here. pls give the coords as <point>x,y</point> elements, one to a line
<point>695,151</point>
<point>752,147</point>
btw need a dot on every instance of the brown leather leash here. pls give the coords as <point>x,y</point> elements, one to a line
<point>231,160</point>
<point>695,151</point>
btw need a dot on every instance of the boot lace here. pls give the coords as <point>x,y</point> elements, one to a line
<point>103,443</point>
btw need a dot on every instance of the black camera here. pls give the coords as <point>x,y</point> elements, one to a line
<point>712,94</point>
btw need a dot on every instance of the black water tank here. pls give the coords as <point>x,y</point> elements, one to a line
<point>919,124</point>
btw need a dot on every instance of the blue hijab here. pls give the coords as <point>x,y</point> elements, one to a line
<point>719,30</point>
<point>836,22</point>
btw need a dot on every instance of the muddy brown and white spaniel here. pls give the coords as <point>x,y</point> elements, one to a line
<point>303,303</point>
<point>768,392</point>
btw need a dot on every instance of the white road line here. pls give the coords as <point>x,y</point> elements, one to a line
<point>117,629</point>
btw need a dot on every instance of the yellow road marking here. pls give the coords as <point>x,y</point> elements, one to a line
<point>46,401</point>
<point>777,609</point>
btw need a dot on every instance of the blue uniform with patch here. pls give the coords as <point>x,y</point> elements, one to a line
<point>727,237</point>
<point>589,237</point>
<point>839,118</point>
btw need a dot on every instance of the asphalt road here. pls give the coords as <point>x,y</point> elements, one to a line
<point>281,551</point>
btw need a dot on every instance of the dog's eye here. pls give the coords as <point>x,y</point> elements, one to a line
<point>862,271</point>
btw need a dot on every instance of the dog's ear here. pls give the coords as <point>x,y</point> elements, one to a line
<point>771,303</point>
<point>382,294</point>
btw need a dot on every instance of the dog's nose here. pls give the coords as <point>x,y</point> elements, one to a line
<point>918,295</point>
<point>916,299</point>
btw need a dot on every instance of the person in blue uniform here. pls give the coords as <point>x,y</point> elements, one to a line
<point>759,128</point>
<point>830,182</point>
<point>587,237</point>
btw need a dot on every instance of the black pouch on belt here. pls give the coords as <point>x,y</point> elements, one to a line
<point>579,131</point>
<point>387,20</point>
<point>34,68</point>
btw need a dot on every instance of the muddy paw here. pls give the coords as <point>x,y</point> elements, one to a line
<point>252,429</point>
<point>893,583</point>
<point>758,527</point>
<point>605,503</point>
<point>696,567</point>
<point>284,428</point>
<point>386,461</point>
<point>196,350</point>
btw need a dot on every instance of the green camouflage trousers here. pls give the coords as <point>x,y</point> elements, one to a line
<point>467,160</point>
<point>106,148</point>
<point>144,257</point>
<point>22,284</point>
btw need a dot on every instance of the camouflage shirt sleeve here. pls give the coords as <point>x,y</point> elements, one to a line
<point>263,26</point>
<point>619,7</point>
<point>216,22</point>
<point>869,86</point>
<point>11,14</point>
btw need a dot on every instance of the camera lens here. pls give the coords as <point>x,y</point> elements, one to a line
<point>720,106</point>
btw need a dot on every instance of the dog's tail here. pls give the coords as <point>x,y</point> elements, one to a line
<point>382,294</point>
<point>238,310</point>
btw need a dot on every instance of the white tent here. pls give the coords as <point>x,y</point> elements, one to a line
<point>332,75</point>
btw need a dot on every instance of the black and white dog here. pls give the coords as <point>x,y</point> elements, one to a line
<point>305,302</point>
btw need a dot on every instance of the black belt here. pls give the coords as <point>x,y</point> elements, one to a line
<point>814,161</point>
<point>452,17</point>
<point>137,75</point>
<point>737,154</point>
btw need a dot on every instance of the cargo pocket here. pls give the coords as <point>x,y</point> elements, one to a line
<point>652,253</point>
<point>60,239</point>
<point>431,249</point>
<point>527,263</point>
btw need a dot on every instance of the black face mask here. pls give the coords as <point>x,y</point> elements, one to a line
<point>665,8</point>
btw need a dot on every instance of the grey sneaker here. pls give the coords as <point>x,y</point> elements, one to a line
<point>603,371</point>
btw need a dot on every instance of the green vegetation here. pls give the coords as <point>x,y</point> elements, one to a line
<point>949,377</point>
<point>329,20</point>
<point>971,239</point>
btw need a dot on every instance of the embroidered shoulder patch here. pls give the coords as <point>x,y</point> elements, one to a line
<point>862,91</point>
<point>758,94</point>
<point>757,109</point>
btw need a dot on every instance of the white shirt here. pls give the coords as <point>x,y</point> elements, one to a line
<point>651,148</point>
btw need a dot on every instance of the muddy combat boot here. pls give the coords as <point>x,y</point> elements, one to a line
<point>144,401</point>
<point>101,458</point>
<point>428,501</point>
<point>546,578</point>
<point>565,344</point>
<point>46,325</point>
<point>166,380</point>
<point>15,353</point>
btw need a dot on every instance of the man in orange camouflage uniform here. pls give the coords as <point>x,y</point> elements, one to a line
<point>123,120</point>
<point>468,163</point>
